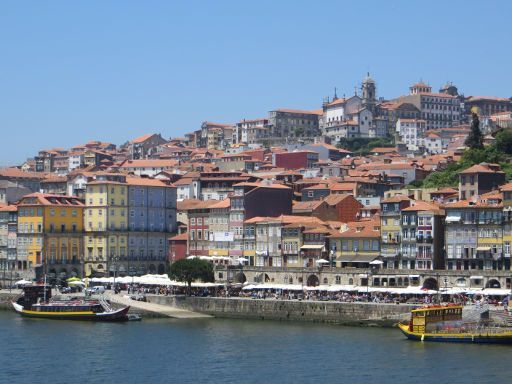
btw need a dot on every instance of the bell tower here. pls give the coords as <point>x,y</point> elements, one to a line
<point>369,93</point>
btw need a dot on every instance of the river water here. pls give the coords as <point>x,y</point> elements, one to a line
<point>233,351</point>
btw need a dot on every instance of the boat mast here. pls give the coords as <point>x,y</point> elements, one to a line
<point>44,289</point>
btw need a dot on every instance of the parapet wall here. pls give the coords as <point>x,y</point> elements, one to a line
<point>362,314</point>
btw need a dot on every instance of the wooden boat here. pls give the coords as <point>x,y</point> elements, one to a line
<point>444,323</point>
<point>36,302</point>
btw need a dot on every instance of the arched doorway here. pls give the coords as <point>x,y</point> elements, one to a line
<point>313,281</point>
<point>267,278</point>
<point>152,269</point>
<point>240,278</point>
<point>493,283</point>
<point>431,284</point>
<point>161,269</point>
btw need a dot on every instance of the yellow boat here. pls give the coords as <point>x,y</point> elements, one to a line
<point>444,323</point>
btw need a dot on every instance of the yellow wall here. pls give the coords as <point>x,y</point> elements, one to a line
<point>105,224</point>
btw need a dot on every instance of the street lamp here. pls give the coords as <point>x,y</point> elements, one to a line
<point>115,259</point>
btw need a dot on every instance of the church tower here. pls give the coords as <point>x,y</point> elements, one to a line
<point>369,93</point>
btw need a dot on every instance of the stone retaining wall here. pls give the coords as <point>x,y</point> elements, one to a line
<point>362,314</point>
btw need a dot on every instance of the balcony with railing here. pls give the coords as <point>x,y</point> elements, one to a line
<point>424,239</point>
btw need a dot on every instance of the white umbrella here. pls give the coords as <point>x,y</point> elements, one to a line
<point>22,282</point>
<point>81,283</point>
<point>376,262</point>
<point>192,257</point>
<point>322,261</point>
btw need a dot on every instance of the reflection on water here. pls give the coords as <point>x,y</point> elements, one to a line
<point>234,351</point>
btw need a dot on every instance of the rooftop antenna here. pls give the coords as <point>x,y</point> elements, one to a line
<point>355,90</point>
<point>335,93</point>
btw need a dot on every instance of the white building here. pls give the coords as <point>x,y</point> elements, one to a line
<point>148,167</point>
<point>433,143</point>
<point>439,110</point>
<point>411,132</point>
<point>76,160</point>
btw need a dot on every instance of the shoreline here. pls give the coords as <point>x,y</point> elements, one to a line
<point>361,314</point>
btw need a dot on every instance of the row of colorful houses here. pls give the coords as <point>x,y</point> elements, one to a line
<point>121,226</point>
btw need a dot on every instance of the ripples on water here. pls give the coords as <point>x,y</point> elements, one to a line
<point>234,351</point>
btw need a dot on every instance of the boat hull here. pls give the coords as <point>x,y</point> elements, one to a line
<point>474,338</point>
<point>118,315</point>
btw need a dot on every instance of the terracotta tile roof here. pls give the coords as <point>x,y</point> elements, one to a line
<point>359,229</point>
<point>396,199</point>
<point>50,199</point>
<point>143,138</point>
<point>285,219</point>
<point>226,203</point>
<point>383,150</point>
<point>204,204</point>
<point>446,190</point>
<point>487,98</point>
<point>299,111</point>
<point>482,168</point>
<point>423,206</point>
<point>147,182</point>
<point>339,101</point>
<point>506,187</point>
<point>306,205</point>
<point>148,163</point>
<point>337,198</point>
<point>345,186</point>
<point>181,237</point>
<point>187,204</point>
<point>8,208</point>
<point>19,174</point>
<point>261,185</point>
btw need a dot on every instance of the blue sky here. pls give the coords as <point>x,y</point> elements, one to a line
<point>113,70</point>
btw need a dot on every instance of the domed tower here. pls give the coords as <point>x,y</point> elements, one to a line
<point>369,93</point>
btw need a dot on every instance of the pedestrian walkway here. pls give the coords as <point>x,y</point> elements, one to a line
<point>162,310</point>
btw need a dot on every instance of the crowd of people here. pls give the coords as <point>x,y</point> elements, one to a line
<point>309,294</point>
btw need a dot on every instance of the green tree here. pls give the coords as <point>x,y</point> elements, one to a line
<point>504,141</point>
<point>475,137</point>
<point>189,270</point>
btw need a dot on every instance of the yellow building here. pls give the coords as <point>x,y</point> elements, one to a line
<point>50,233</point>
<point>391,230</point>
<point>105,224</point>
<point>127,221</point>
<point>357,244</point>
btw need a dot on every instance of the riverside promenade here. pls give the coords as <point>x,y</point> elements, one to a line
<point>155,310</point>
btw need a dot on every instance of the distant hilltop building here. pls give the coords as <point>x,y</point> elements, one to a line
<point>437,109</point>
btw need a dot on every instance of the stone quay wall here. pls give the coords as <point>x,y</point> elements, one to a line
<point>360,314</point>
<point>6,297</point>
